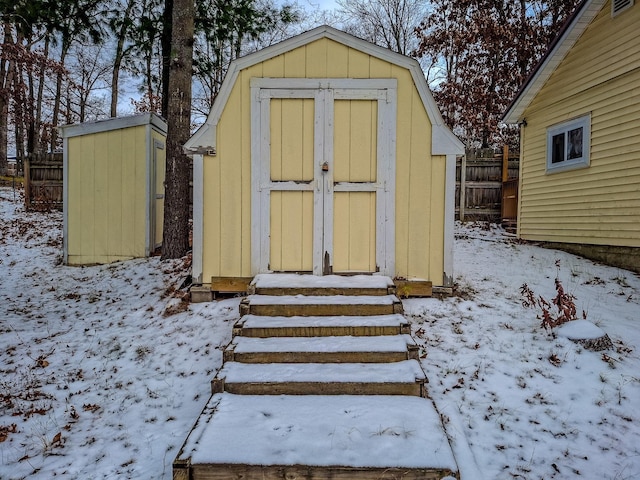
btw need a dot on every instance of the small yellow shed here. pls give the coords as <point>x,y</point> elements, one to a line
<point>113,189</point>
<point>324,154</point>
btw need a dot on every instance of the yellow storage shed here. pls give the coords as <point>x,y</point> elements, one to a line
<point>113,189</point>
<point>324,154</point>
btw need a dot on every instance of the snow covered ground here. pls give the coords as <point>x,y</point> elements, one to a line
<point>103,371</point>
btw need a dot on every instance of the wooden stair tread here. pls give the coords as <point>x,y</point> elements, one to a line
<point>322,431</point>
<point>330,300</point>
<point>260,321</point>
<point>320,305</point>
<point>322,380</point>
<point>285,280</point>
<point>298,326</point>
<point>408,371</point>
<point>386,343</point>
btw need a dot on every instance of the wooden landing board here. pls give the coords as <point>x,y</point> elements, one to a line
<point>316,437</point>
<point>301,472</point>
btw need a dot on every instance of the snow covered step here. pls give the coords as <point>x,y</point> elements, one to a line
<point>399,378</point>
<point>320,437</point>
<point>343,349</point>
<point>295,284</point>
<point>320,305</point>
<point>296,326</point>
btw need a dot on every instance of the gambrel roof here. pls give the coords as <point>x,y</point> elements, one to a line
<point>443,140</point>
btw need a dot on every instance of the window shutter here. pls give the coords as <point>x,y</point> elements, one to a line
<point>618,6</point>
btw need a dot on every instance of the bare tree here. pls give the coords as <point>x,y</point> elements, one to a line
<point>388,23</point>
<point>482,50</point>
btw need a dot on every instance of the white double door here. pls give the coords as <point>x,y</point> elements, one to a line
<point>323,175</point>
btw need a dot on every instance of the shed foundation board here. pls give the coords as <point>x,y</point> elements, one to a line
<point>347,431</point>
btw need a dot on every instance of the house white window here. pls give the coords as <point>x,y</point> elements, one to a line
<point>568,145</point>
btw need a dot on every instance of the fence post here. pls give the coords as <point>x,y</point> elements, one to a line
<point>505,163</point>
<point>463,188</point>
<point>26,167</point>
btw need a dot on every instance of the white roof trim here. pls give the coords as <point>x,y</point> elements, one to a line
<point>443,140</point>
<point>77,129</point>
<point>587,11</point>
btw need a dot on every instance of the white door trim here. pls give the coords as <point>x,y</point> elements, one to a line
<point>324,92</point>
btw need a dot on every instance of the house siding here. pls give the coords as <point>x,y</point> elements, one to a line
<point>420,177</point>
<point>600,204</point>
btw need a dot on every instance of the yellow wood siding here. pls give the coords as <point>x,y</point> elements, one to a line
<point>291,231</point>
<point>354,232</point>
<point>600,204</point>
<point>106,196</point>
<point>419,184</point>
<point>355,141</point>
<point>355,146</point>
<point>292,124</point>
<point>291,142</point>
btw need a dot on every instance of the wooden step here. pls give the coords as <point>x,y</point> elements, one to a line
<point>342,349</point>
<point>316,437</point>
<point>320,305</point>
<point>399,378</point>
<point>261,326</point>
<point>310,285</point>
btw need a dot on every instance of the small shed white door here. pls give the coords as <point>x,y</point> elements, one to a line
<point>323,171</point>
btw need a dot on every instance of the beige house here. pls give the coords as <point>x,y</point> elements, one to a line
<point>113,189</point>
<point>579,114</point>
<point>324,154</point>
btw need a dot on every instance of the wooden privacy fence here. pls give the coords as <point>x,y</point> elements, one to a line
<point>486,186</point>
<point>43,181</point>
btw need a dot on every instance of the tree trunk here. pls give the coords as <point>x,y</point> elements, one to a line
<point>58,99</point>
<point>37,147</point>
<point>5,81</point>
<point>166,41</point>
<point>176,202</point>
<point>117,62</point>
